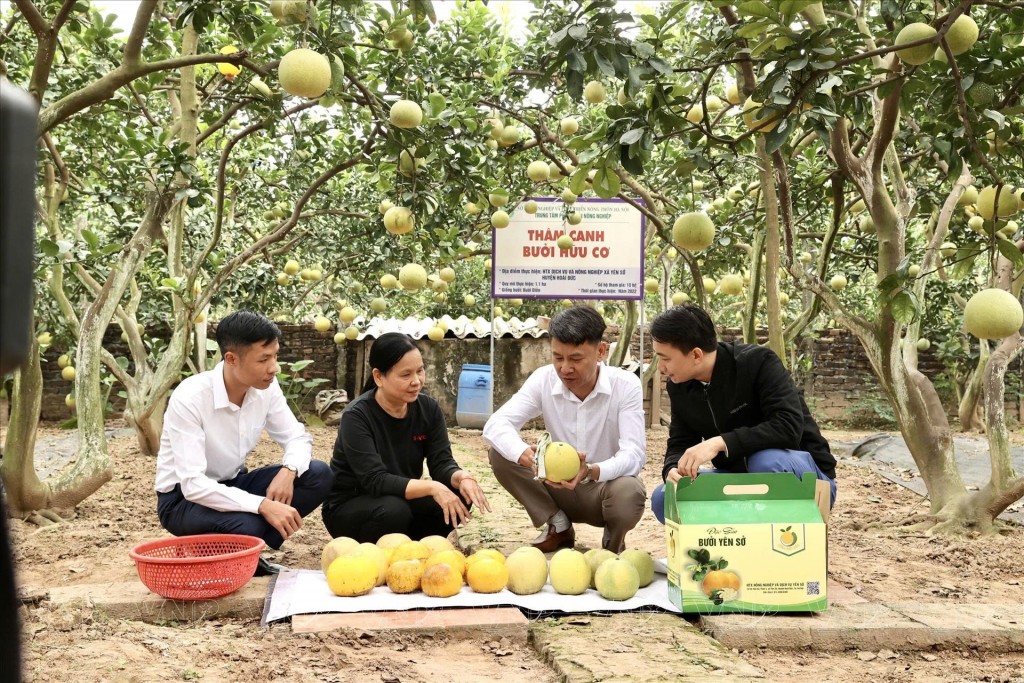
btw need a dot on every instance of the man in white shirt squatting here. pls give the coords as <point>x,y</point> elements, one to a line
<point>213,420</point>
<point>593,407</point>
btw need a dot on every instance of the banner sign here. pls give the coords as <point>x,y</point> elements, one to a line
<point>605,261</point>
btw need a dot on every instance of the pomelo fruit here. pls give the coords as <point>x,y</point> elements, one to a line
<point>441,581</point>
<point>291,267</point>
<point>392,540</point>
<point>388,281</point>
<point>304,73</point>
<point>912,33</point>
<point>837,282</point>
<point>595,558</point>
<point>335,548</point>
<point>970,196</point>
<point>411,550</point>
<point>405,114</point>
<point>485,554</point>
<point>693,231</point>
<point>923,344</point>
<point>379,304</point>
<point>404,576</point>
<point>487,576</point>
<point>561,461</point>
<point>568,196</point>
<point>348,314</point>
<point>352,575</point>
<point>412,276</point>
<point>651,285</point>
<point>530,207</point>
<point>538,171</point>
<point>447,274</point>
<point>710,285</point>
<point>451,557</point>
<point>527,570</point>
<point>962,35</point>
<point>642,562</point>
<point>617,579</point>
<point>469,300</point>
<point>731,284</point>
<point>564,242</point>
<point>68,373</point>
<point>321,324</point>
<point>1008,204</point>
<point>993,314</point>
<point>568,125</point>
<point>380,557</point>
<point>435,333</point>
<point>680,298</point>
<point>499,219</point>
<point>594,92</point>
<point>569,571</point>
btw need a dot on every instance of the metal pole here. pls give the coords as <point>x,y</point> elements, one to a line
<point>493,373</point>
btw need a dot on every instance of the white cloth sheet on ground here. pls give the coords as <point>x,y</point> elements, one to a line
<point>305,591</point>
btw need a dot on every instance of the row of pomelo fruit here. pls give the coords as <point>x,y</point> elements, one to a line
<point>432,565</point>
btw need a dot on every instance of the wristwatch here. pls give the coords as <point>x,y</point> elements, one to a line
<point>293,468</point>
<point>589,476</point>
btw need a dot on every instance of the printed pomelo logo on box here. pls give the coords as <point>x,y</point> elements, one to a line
<point>746,543</point>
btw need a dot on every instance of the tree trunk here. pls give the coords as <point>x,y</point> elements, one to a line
<point>971,408</point>
<point>625,335</point>
<point>773,249</point>
<point>25,492</point>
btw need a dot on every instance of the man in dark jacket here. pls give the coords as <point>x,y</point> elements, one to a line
<point>733,405</point>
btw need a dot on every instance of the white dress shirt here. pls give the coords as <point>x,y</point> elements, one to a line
<point>206,439</point>
<point>608,425</point>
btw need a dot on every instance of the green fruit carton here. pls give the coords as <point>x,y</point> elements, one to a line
<point>747,543</point>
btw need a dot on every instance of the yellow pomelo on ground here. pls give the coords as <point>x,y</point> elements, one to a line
<point>642,562</point>
<point>538,171</point>
<point>617,580</point>
<point>404,576</point>
<point>527,570</point>
<point>561,461</point>
<point>837,282</point>
<point>380,557</point>
<point>993,314</point>
<point>322,324</point>
<point>594,92</point>
<point>912,33</point>
<point>693,231</point>
<point>569,571</point>
<point>568,125</point>
<point>405,114</point>
<point>595,557</point>
<point>485,554</point>
<point>451,557</point>
<point>441,581</point>
<point>304,73</point>
<point>412,276</point>
<point>68,373</point>
<point>731,284</point>
<point>436,543</point>
<point>291,267</point>
<point>487,576</point>
<point>335,548</point>
<point>352,575</point>
<point>392,540</point>
<point>411,550</point>
<point>398,220</point>
<point>1008,204</point>
<point>499,219</point>
<point>962,35</point>
<point>388,281</point>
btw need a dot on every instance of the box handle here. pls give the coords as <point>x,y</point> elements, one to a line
<point>745,489</point>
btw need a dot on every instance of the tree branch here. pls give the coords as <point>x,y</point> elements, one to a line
<point>133,46</point>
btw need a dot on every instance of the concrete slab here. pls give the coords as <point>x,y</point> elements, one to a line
<point>490,623</point>
<point>839,595</point>
<point>132,600</point>
<point>588,648</point>
<point>998,627</point>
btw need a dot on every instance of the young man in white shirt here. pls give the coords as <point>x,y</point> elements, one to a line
<point>213,420</point>
<point>595,408</point>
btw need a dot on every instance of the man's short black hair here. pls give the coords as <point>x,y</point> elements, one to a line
<point>685,327</point>
<point>577,325</point>
<point>237,331</point>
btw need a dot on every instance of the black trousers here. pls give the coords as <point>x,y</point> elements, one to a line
<point>185,518</point>
<point>367,518</point>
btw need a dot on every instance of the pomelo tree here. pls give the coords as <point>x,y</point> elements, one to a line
<point>829,104</point>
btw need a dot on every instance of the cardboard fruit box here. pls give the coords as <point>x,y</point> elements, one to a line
<point>747,543</point>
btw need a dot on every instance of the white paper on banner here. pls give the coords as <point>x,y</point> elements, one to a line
<point>606,260</point>
<point>305,591</point>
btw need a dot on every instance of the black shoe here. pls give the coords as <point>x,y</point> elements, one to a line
<point>265,568</point>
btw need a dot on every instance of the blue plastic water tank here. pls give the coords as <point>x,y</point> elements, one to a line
<point>473,405</point>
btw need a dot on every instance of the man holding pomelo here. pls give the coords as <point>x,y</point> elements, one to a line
<point>596,409</point>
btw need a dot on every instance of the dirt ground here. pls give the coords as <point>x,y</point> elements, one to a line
<point>869,552</point>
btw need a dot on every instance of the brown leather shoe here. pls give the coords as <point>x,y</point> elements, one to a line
<point>554,540</point>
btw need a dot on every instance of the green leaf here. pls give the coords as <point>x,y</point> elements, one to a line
<point>49,247</point>
<point>904,307</point>
<point>579,32</point>
<point>578,182</point>
<point>1010,251</point>
<point>91,239</point>
<point>754,9</point>
<point>606,183</point>
<point>631,136</point>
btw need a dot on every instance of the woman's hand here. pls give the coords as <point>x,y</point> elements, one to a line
<point>455,512</point>
<point>471,492</point>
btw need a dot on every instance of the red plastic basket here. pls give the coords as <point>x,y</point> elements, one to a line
<point>197,567</point>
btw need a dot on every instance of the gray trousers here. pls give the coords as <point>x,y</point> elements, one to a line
<point>615,505</point>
